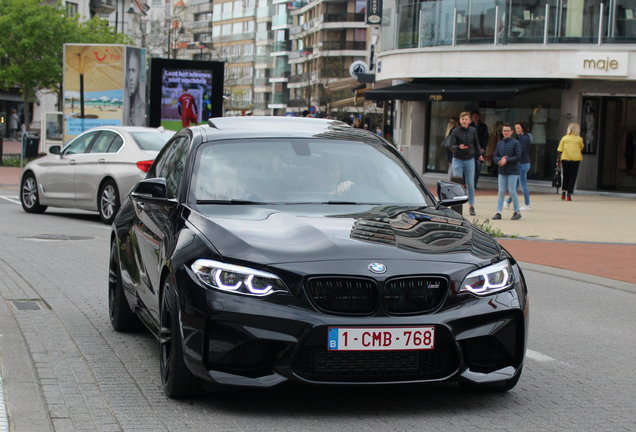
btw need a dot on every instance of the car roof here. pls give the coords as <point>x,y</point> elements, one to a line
<point>284,127</point>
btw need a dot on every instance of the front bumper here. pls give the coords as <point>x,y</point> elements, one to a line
<point>239,340</point>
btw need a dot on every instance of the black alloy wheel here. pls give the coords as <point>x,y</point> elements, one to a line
<point>29,195</point>
<point>176,378</point>
<point>108,202</point>
<point>121,316</point>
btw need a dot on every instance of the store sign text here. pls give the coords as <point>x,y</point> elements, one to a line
<point>602,64</point>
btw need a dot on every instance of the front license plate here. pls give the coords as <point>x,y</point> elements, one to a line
<point>380,338</point>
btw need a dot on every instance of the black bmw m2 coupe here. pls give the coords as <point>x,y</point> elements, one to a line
<point>265,250</point>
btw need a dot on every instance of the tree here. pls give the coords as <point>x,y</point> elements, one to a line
<point>31,48</point>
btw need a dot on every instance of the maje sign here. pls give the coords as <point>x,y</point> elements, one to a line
<point>599,63</point>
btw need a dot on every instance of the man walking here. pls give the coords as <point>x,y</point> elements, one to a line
<point>464,144</point>
<point>507,156</point>
<point>482,137</point>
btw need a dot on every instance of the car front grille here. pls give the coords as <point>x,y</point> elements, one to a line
<point>343,295</point>
<point>414,295</point>
<point>358,296</point>
<point>316,363</point>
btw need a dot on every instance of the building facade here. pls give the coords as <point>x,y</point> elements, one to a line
<point>543,62</point>
<point>326,36</point>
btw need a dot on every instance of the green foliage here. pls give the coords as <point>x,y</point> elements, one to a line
<point>31,48</point>
<point>485,226</point>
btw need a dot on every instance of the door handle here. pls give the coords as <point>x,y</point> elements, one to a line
<point>72,162</point>
<point>101,161</point>
<point>139,205</point>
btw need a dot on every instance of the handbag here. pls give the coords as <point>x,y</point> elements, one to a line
<point>556,181</point>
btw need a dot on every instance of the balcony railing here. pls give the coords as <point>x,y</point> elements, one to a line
<point>281,46</point>
<point>344,17</point>
<point>343,45</point>
<point>447,22</point>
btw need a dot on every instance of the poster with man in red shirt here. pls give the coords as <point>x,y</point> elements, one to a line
<point>187,108</point>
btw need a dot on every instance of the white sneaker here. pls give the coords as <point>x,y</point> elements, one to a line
<point>526,208</point>
<point>507,205</point>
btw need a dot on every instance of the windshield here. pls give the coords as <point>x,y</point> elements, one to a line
<point>287,171</point>
<point>151,140</point>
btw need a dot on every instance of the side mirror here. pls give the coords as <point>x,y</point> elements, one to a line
<point>450,194</point>
<point>153,188</point>
<point>55,149</point>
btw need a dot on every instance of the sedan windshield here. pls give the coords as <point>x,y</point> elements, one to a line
<point>151,140</point>
<point>303,171</point>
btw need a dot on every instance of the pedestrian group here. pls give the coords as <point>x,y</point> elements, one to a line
<point>466,145</point>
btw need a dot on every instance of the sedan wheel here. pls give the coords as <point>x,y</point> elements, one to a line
<point>121,316</point>
<point>108,202</point>
<point>29,195</point>
<point>176,378</point>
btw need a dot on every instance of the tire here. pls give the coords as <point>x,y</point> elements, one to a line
<point>108,202</point>
<point>176,378</point>
<point>501,387</point>
<point>121,316</point>
<point>29,196</point>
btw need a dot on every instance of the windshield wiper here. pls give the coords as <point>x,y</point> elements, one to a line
<point>229,201</point>
<point>330,202</point>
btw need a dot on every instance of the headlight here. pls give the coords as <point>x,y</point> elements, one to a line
<point>489,280</point>
<point>237,279</point>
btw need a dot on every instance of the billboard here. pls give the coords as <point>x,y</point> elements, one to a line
<point>184,92</point>
<point>103,85</point>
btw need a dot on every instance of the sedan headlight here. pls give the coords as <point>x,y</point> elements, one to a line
<point>489,280</point>
<point>237,279</point>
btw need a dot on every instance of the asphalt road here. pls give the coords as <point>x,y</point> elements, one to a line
<point>63,368</point>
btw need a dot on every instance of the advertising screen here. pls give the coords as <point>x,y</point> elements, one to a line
<point>104,85</point>
<point>184,92</point>
<point>93,87</point>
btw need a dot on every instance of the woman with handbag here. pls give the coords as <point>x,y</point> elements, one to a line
<point>570,156</point>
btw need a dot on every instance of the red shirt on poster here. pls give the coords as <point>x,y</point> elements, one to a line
<point>187,109</point>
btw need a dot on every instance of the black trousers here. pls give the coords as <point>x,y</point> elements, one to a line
<point>570,171</point>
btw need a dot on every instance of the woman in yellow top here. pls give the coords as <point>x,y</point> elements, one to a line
<point>570,156</point>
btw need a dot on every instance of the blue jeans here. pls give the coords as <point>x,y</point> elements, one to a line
<point>466,169</point>
<point>523,181</point>
<point>507,182</point>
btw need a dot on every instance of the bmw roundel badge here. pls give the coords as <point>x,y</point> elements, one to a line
<point>377,268</point>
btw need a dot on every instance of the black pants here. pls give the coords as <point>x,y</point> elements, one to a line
<point>570,171</point>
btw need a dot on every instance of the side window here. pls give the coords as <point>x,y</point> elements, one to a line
<point>115,144</point>
<point>80,144</point>
<point>172,164</point>
<point>102,142</point>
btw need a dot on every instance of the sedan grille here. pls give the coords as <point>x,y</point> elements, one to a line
<point>343,295</point>
<point>414,295</point>
<point>357,296</point>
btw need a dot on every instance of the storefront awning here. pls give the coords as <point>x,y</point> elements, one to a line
<point>460,90</point>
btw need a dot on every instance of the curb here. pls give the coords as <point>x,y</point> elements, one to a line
<point>25,404</point>
<point>586,278</point>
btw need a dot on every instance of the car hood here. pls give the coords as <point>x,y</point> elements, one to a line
<point>287,233</point>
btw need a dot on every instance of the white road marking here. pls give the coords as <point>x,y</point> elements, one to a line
<point>537,356</point>
<point>12,199</point>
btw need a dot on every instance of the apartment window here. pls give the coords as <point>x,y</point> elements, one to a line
<point>248,49</point>
<point>227,29</point>
<point>237,28</point>
<point>227,10</point>
<point>250,26</point>
<point>216,31</point>
<point>217,10</point>
<point>71,8</point>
